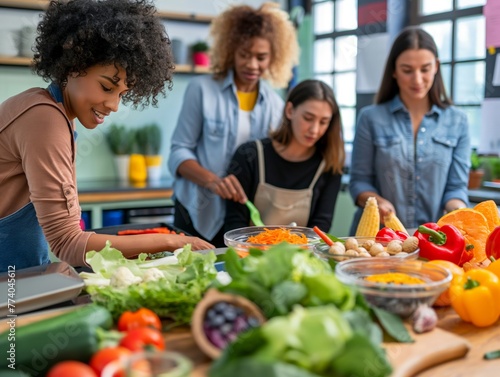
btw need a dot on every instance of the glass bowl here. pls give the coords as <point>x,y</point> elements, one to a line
<point>399,299</point>
<point>322,250</point>
<point>237,238</point>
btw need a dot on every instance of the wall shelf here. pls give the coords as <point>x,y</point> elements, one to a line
<point>42,4</point>
<point>168,16</point>
<point>25,61</point>
<point>15,60</point>
<point>25,4</point>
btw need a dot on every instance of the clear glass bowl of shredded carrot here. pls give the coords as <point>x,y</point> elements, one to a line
<point>263,237</point>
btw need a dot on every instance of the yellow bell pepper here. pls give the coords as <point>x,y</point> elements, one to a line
<point>475,296</point>
<point>494,267</point>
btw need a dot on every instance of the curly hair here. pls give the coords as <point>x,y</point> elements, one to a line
<point>78,34</point>
<point>239,24</point>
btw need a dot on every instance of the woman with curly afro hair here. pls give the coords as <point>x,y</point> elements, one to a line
<point>230,107</point>
<point>95,54</point>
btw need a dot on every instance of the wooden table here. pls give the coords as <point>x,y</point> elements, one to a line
<point>481,340</point>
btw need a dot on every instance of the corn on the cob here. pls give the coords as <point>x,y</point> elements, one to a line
<point>369,224</point>
<point>393,222</point>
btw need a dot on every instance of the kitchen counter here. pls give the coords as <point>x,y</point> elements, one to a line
<point>484,193</point>
<point>102,195</point>
<point>114,190</point>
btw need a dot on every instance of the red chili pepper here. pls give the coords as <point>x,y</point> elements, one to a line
<point>493,244</point>
<point>445,243</point>
<point>387,234</point>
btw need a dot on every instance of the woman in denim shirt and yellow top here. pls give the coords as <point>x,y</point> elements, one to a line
<point>412,148</point>
<point>222,111</point>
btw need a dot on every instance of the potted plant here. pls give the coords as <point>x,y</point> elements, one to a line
<point>149,138</point>
<point>495,170</point>
<point>476,173</point>
<point>121,141</point>
<point>200,54</point>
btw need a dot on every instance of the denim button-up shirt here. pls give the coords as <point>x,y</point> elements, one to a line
<point>206,132</point>
<point>418,176</point>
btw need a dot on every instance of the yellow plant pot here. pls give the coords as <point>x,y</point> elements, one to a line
<point>137,168</point>
<point>153,160</point>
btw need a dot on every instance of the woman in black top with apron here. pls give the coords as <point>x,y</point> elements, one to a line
<point>295,175</point>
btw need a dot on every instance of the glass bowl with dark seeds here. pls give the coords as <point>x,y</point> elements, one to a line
<point>394,296</point>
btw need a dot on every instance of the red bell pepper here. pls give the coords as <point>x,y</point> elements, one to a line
<point>445,243</point>
<point>493,244</point>
<point>387,234</point>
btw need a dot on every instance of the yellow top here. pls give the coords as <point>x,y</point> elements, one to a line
<point>247,100</point>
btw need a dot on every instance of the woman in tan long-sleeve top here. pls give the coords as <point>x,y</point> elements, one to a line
<point>95,54</point>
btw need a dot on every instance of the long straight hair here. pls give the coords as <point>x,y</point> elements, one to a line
<point>331,144</point>
<point>411,38</point>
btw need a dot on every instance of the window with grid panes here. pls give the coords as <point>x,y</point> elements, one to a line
<point>335,49</point>
<point>458,27</point>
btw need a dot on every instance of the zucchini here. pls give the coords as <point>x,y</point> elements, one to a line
<point>35,347</point>
<point>12,373</point>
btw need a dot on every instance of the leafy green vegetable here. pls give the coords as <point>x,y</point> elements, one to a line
<point>309,342</point>
<point>361,358</point>
<point>284,276</point>
<point>361,323</point>
<point>186,277</point>
<point>247,367</point>
<point>393,325</point>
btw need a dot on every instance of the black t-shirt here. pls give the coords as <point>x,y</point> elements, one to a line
<point>283,174</point>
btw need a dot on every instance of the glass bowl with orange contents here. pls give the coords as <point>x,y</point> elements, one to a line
<point>263,237</point>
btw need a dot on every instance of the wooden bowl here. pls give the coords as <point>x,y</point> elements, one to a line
<point>212,297</point>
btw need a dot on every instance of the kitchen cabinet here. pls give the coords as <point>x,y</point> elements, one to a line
<point>164,15</point>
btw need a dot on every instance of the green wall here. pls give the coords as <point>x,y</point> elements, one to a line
<point>94,159</point>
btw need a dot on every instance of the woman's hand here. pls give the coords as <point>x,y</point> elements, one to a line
<point>177,241</point>
<point>385,207</point>
<point>454,204</point>
<point>228,188</point>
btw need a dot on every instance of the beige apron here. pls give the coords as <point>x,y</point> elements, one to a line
<point>279,206</point>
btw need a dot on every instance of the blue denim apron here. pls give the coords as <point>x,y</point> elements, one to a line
<point>22,242</point>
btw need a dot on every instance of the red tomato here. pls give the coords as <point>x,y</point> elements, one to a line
<point>141,318</point>
<point>71,368</point>
<point>143,338</point>
<point>106,355</point>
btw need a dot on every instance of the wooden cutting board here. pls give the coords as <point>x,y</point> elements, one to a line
<point>408,359</point>
<point>429,349</point>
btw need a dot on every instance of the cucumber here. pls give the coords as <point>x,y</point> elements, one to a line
<point>36,347</point>
<point>12,373</point>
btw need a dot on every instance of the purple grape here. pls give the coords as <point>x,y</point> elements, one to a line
<point>216,338</point>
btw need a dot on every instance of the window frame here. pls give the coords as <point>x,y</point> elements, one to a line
<point>333,36</point>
